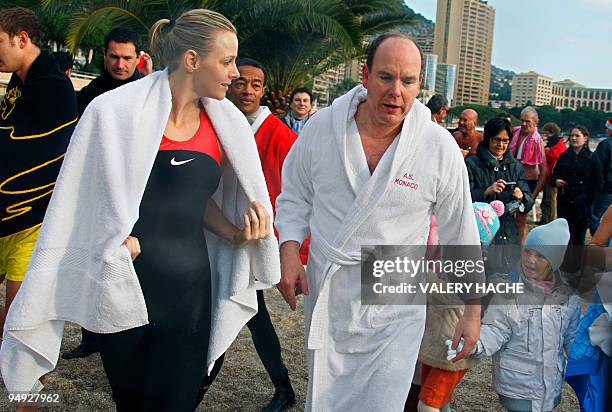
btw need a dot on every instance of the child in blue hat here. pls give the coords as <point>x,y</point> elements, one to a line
<point>529,334</point>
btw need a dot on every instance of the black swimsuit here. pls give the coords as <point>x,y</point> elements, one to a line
<point>161,366</point>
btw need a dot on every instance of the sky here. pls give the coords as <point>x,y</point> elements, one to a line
<point>562,39</point>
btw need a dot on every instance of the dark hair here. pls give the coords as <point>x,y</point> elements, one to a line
<point>17,19</point>
<point>122,35</point>
<point>64,60</point>
<point>437,103</point>
<point>378,41</point>
<point>300,90</point>
<point>552,128</point>
<point>582,130</point>
<point>493,127</point>
<point>246,61</point>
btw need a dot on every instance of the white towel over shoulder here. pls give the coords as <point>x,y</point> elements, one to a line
<point>80,271</point>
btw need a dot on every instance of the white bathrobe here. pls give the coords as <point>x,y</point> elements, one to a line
<point>80,271</point>
<point>362,358</point>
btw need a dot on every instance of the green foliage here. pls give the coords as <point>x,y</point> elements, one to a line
<point>500,87</point>
<point>594,120</point>
<point>295,40</point>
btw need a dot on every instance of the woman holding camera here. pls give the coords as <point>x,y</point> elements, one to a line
<point>496,175</point>
<point>578,178</point>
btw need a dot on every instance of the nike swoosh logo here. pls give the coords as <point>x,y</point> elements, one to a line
<point>173,162</point>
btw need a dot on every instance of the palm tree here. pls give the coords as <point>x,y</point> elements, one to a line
<point>294,39</point>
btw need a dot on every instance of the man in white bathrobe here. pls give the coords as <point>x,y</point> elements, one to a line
<point>369,170</point>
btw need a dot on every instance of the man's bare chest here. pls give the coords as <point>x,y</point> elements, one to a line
<point>374,150</point>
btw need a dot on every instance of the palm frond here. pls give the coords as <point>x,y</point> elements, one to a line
<point>86,22</point>
<point>294,39</point>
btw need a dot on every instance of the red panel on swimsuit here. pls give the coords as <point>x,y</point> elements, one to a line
<point>204,140</point>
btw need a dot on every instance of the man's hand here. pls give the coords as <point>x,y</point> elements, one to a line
<point>467,328</point>
<point>517,193</point>
<point>256,225</point>
<point>133,246</point>
<point>293,276</point>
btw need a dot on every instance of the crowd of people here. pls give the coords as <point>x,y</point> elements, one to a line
<point>574,183</point>
<point>513,166</point>
<point>153,207</point>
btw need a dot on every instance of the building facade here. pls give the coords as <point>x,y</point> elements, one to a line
<point>531,87</point>
<point>323,84</point>
<point>446,77</point>
<point>430,68</point>
<point>568,94</point>
<point>464,37</point>
<point>425,42</point>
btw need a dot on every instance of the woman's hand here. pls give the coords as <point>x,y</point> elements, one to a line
<point>256,225</point>
<point>133,246</point>
<point>517,194</point>
<point>560,183</point>
<point>497,187</point>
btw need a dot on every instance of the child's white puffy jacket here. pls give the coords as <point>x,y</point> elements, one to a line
<point>528,335</point>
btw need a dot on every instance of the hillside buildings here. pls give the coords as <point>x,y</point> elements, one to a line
<point>464,37</point>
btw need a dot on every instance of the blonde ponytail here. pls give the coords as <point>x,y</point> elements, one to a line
<point>156,38</point>
<point>194,29</point>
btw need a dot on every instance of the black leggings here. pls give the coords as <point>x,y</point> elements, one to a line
<point>141,384</point>
<point>267,344</point>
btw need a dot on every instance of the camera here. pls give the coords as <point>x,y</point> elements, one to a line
<point>510,186</point>
<point>515,206</point>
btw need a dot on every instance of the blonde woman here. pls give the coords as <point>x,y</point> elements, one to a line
<point>151,165</point>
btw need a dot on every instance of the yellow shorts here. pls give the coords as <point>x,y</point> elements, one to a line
<point>15,253</point>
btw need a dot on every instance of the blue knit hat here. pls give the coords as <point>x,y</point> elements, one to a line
<point>487,219</point>
<point>550,241</point>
